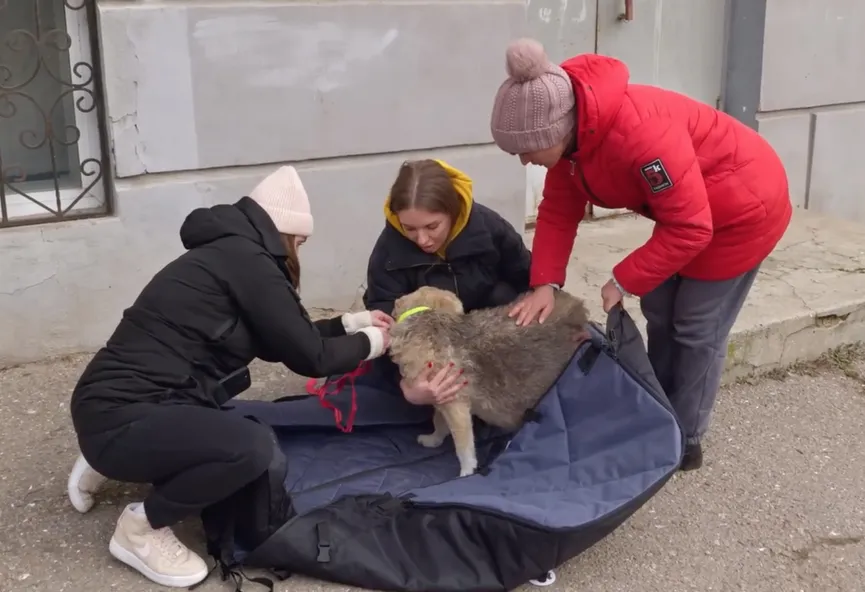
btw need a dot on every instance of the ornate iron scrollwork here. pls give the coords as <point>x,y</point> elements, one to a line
<point>37,47</point>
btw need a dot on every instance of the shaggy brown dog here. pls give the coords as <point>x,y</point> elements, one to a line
<point>508,368</point>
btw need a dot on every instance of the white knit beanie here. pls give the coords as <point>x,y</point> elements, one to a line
<point>284,199</point>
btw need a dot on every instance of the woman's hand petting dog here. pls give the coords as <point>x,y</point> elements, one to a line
<point>438,389</point>
<point>537,305</point>
<point>381,319</point>
<point>355,321</point>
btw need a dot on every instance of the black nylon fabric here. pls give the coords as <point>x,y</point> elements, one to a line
<point>251,515</point>
<point>626,343</point>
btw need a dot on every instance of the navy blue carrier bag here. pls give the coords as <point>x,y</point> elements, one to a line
<point>374,509</point>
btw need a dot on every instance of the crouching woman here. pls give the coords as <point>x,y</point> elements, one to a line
<point>147,407</point>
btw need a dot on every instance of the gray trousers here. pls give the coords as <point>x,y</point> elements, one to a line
<point>687,324</point>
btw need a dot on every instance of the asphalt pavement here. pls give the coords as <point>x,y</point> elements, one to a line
<point>778,507</point>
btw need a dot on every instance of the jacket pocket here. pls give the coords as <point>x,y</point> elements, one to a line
<point>188,390</point>
<point>224,330</point>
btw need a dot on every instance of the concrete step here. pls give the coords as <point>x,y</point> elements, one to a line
<point>808,298</point>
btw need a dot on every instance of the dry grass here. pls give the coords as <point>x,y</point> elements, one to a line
<point>841,359</point>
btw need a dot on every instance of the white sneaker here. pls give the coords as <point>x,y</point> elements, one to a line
<point>82,484</point>
<point>157,554</point>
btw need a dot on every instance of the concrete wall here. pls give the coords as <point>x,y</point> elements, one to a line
<point>566,29</point>
<point>795,73</point>
<point>202,101</point>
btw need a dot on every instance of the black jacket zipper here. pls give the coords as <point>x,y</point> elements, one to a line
<point>454,276</point>
<point>436,264</point>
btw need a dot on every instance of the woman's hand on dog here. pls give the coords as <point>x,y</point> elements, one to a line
<point>434,389</point>
<point>537,305</point>
<point>380,319</point>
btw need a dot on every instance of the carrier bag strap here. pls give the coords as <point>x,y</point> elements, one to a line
<point>618,323</point>
<point>333,386</point>
<point>237,577</point>
<point>626,345</point>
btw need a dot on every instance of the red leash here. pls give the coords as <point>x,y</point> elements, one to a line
<point>322,392</point>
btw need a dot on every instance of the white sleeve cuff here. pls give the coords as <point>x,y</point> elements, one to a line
<point>376,341</point>
<point>355,321</point>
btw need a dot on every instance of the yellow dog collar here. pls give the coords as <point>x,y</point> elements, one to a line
<point>411,312</point>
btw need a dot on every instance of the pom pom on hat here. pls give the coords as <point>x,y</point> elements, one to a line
<point>534,108</point>
<point>282,196</point>
<point>526,60</point>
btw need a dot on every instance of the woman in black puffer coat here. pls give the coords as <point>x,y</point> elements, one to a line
<point>147,407</point>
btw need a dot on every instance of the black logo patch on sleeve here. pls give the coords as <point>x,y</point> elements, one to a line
<point>656,176</point>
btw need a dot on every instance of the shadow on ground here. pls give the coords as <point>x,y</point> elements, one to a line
<point>780,505</point>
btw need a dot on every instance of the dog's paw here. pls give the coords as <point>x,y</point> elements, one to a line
<point>466,471</point>
<point>429,440</point>
<point>468,468</point>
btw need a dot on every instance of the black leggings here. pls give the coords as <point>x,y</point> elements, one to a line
<point>194,456</point>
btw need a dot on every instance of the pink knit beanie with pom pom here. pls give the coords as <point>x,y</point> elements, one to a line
<point>534,107</point>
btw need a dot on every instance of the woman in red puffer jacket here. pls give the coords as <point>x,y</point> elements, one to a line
<point>715,189</point>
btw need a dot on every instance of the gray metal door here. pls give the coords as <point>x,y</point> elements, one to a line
<point>675,44</point>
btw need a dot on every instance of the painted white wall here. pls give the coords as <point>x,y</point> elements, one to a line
<point>204,99</point>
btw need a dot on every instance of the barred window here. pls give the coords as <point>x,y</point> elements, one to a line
<point>51,141</point>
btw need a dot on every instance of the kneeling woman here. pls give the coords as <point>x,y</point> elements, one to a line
<point>147,408</point>
<point>436,235</point>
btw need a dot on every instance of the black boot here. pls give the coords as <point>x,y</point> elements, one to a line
<point>693,458</point>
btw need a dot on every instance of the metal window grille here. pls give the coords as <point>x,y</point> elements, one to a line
<point>52,137</point>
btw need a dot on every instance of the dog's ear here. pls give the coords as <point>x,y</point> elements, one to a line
<point>400,305</point>
<point>446,302</point>
<point>457,304</point>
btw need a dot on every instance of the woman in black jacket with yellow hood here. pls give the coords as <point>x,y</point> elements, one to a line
<point>436,235</point>
<point>147,407</point>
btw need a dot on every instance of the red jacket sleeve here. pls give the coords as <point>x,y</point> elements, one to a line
<point>560,212</point>
<point>661,156</point>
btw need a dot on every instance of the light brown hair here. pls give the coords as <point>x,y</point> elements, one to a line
<point>425,185</point>
<point>292,261</point>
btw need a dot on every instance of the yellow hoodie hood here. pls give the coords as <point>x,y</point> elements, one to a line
<point>463,185</point>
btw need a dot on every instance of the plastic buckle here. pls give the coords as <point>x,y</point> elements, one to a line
<point>323,553</point>
<point>323,542</point>
<point>549,579</point>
